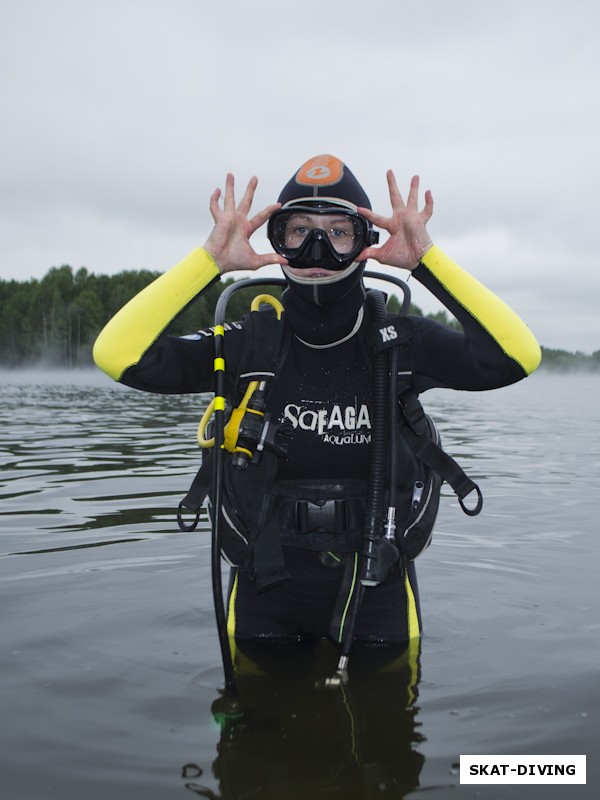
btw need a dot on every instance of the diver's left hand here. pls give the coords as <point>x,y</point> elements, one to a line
<point>409,239</point>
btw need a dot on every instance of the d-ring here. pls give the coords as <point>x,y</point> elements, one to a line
<point>472,512</point>
<point>185,527</point>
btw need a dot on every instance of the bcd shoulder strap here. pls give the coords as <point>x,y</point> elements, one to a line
<point>430,453</point>
<point>398,332</point>
<point>266,343</point>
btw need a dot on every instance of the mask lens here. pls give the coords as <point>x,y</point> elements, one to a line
<point>342,231</point>
<point>345,232</point>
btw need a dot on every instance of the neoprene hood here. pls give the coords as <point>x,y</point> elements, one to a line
<point>324,177</point>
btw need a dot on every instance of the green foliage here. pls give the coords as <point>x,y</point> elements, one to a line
<point>562,360</point>
<point>201,313</point>
<point>57,319</point>
<point>442,316</point>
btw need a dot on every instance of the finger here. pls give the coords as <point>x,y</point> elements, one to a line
<point>395,196</point>
<point>262,216</point>
<point>413,194</point>
<point>214,207</point>
<point>264,259</point>
<point>428,210</point>
<point>229,199</point>
<point>377,219</point>
<point>246,201</point>
<point>369,252</point>
<point>365,212</point>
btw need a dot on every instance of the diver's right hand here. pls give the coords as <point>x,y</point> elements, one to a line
<point>229,241</point>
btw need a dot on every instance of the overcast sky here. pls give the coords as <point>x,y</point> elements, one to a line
<point>120,117</point>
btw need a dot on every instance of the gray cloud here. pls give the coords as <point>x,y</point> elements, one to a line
<point>120,118</point>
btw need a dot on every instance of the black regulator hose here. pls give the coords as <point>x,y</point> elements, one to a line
<point>393,434</point>
<point>375,547</point>
<point>375,506</point>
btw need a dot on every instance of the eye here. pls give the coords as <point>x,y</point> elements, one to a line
<point>299,230</point>
<point>339,233</point>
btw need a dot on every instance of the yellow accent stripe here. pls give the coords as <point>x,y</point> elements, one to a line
<point>231,610</point>
<point>501,322</point>
<point>219,330</point>
<point>353,737</point>
<point>133,329</point>
<point>219,364</point>
<point>242,664</point>
<point>410,658</point>
<point>414,629</point>
<point>414,640</point>
<point>349,599</point>
<point>219,403</point>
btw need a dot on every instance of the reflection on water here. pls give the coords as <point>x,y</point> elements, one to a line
<point>288,735</point>
<point>110,669</point>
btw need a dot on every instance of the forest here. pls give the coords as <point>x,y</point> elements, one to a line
<point>54,321</point>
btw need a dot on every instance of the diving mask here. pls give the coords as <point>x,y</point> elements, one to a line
<point>324,235</point>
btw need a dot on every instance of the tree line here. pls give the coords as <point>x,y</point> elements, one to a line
<point>56,320</point>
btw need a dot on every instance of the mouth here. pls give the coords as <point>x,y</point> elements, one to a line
<point>317,275</point>
<point>311,272</point>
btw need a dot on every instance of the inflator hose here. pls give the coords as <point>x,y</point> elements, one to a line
<point>374,514</point>
<point>218,474</point>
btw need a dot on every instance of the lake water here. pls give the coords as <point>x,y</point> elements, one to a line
<point>110,671</point>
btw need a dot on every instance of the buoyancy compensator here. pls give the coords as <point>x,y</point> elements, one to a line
<point>399,505</point>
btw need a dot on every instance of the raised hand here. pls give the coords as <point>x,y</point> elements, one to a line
<point>228,242</point>
<point>409,240</point>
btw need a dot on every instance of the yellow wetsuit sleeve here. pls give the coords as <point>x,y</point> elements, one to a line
<point>129,334</point>
<point>498,319</point>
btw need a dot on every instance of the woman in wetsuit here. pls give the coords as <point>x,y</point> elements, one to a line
<point>322,231</point>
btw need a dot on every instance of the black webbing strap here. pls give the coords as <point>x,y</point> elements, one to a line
<point>197,494</point>
<point>269,563</point>
<point>431,454</point>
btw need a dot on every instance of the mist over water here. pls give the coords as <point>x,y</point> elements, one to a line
<point>110,672</point>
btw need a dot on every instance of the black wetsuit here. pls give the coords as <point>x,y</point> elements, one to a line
<point>325,394</point>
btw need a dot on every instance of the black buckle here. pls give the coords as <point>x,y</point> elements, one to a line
<point>321,516</point>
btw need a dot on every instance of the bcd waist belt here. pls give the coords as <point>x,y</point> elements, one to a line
<point>333,523</point>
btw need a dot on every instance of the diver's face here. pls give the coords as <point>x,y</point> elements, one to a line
<point>338,228</point>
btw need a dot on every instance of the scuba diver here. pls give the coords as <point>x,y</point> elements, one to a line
<point>295,520</point>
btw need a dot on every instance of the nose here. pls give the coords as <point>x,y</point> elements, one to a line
<point>317,249</point>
